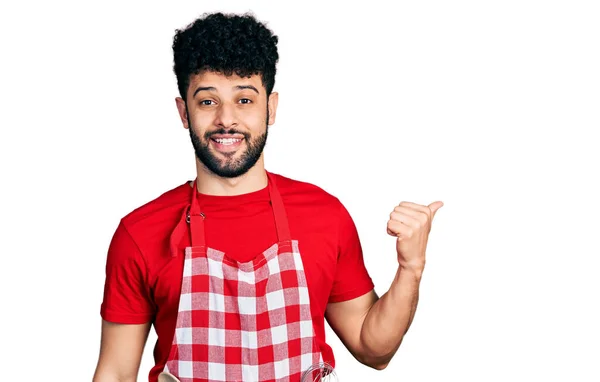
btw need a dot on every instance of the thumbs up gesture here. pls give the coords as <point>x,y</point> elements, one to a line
<point>411,224</point>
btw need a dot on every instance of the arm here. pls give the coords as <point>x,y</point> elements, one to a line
<point>372,328</point>
<point>127,311</point>
<point>121,351</point>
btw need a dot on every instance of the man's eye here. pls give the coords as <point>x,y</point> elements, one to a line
<point>245,100</point>
<point>206,102</point>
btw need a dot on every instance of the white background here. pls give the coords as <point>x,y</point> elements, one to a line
<point>491,107</point>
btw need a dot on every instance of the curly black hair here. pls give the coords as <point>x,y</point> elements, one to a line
<point>227,44</point>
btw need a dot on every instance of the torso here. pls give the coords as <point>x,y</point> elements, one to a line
<point>243,227</point>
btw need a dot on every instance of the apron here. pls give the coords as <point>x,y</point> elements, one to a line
<point>242,321</point>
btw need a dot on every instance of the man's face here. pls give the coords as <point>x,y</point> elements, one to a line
<point>228,119</point>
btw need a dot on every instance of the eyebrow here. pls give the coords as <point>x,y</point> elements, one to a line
<point>212,89</point>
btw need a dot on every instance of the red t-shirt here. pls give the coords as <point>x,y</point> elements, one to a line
<point>143,280</point>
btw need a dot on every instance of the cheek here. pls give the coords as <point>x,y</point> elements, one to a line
<point>199,131</point>
<point>200,123</point>
<point>255,121</point>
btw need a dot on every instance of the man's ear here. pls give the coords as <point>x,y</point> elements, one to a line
<point>182,109</point>
<point>272,105</point>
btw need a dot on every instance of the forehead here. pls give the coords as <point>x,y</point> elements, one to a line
<point>223,83</point>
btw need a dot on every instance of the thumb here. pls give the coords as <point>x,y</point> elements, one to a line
<point>434,207</point>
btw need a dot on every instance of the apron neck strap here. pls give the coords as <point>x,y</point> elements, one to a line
<point>281,220</point>
<point>195,217</point>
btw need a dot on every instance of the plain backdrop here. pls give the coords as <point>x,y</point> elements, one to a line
<point>489,106</point>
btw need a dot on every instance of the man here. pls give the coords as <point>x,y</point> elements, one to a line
<point>238,269</point>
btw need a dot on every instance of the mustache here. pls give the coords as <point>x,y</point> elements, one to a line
<point>224,131</point>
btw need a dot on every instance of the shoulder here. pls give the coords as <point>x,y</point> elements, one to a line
<point>306,199</point>
<point>298,191</point>
<point>153,217</point>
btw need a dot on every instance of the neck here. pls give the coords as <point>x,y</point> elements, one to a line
<point>211,184</point>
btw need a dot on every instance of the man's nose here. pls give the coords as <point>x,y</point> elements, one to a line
<point>226,116</point>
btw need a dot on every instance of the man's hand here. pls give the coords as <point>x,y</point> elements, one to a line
<point>411,223</point>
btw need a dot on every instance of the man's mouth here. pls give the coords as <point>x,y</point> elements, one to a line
<point>226,143</point>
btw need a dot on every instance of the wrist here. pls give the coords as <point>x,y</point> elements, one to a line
<point>406,283</point>
<point>410,270</point>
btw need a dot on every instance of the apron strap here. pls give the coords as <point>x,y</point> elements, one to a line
<point>195,218</point>
<point>281,220</point>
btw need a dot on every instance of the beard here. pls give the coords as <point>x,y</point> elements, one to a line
<point>229,167</point>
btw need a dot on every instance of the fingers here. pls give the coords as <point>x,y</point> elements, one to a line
<point>404,222</point>
<point>429,210</point>
<point>399,229</point>
<point>420,216</point>
<point>416,207</point>
<point>409,218</point>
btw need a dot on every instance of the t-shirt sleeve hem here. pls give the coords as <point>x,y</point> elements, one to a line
<point>124,318</point>
<point>361,290</point>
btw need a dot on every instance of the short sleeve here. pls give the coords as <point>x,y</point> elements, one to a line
<point>351,277</point>
<point>126,294</point>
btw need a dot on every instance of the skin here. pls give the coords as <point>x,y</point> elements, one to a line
<point>121,350</point>
<point>371,327</point>
<point>227,110</point>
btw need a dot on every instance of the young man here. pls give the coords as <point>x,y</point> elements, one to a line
<point>238,269</point>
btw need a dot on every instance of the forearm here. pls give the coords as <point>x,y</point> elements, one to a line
<point>389,319</point>
<point>107,377</point>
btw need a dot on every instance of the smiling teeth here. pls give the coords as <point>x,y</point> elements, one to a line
<point>227,141</point>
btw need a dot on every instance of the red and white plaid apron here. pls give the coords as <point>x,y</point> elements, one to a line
<point>243,321</point>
